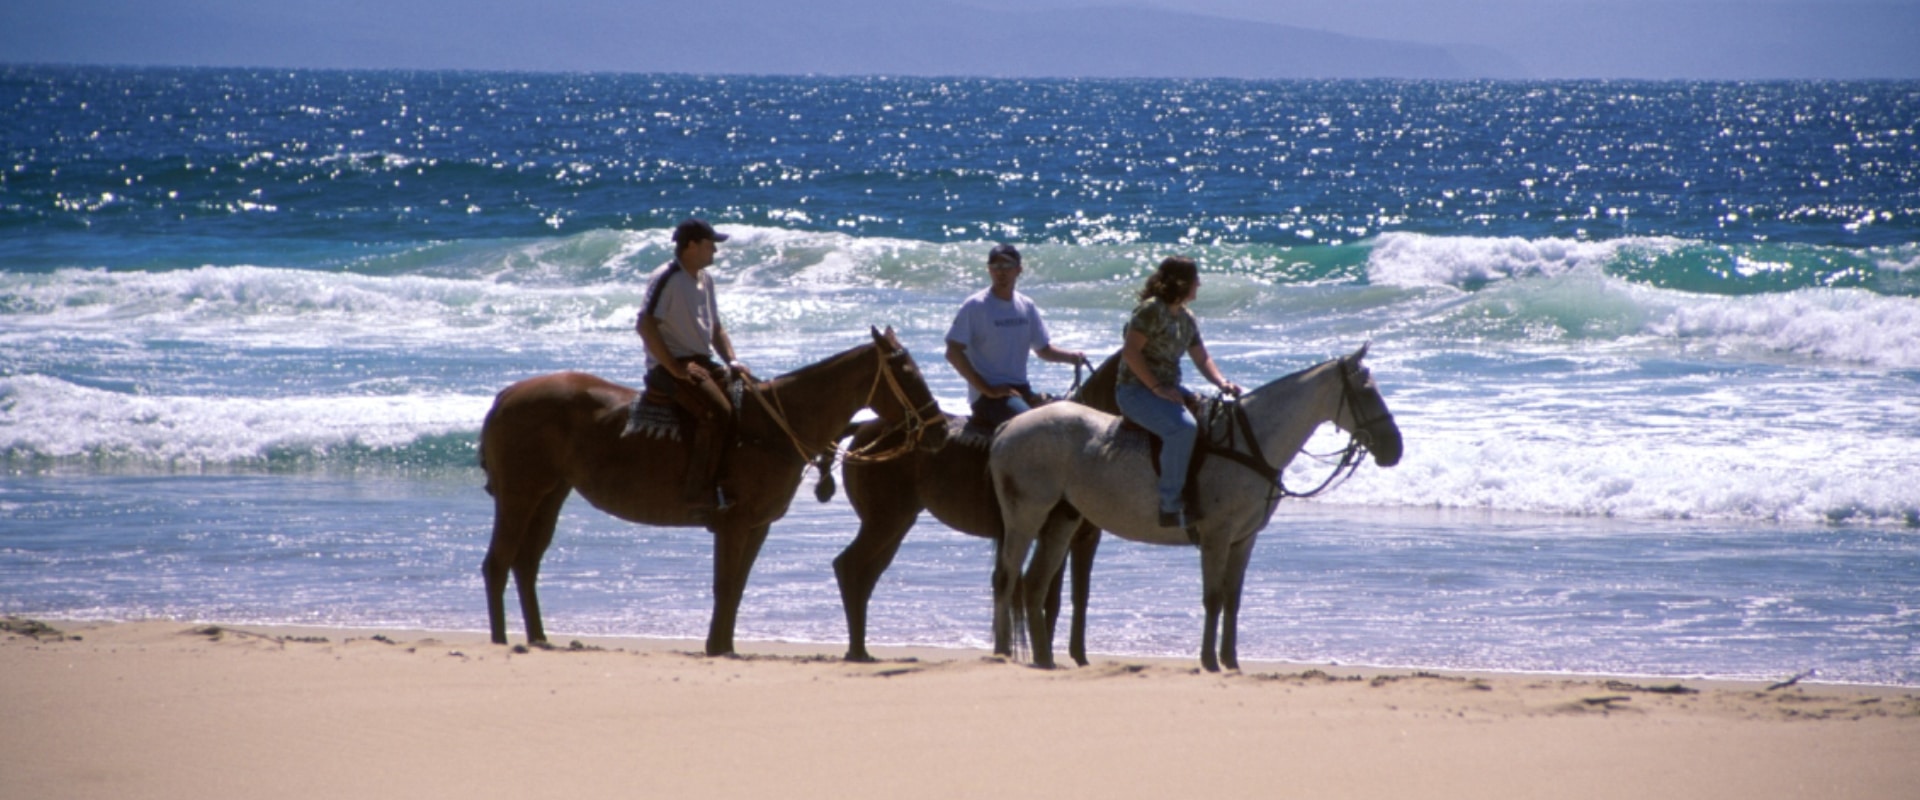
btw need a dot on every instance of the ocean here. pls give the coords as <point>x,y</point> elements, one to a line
<point>1654,347</point>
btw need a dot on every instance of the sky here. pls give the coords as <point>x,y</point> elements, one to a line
<point>1534,39</point>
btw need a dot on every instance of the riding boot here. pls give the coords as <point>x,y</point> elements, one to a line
<point>706,400</point>
<point>703,459</point>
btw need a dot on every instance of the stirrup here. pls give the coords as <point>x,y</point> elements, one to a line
<point>1173,519</point>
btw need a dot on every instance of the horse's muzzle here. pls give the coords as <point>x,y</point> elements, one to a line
<point>1383,441</point>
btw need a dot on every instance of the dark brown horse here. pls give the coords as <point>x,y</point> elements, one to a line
<point>953,483</point>
<point>548,436</point>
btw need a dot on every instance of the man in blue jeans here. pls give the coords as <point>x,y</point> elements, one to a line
<point>990,338</point>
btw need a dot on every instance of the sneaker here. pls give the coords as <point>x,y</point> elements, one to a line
<point>1173,519</point>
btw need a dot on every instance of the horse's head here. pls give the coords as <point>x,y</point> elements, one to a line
<point>907,403</point>
<point>1363,412</point>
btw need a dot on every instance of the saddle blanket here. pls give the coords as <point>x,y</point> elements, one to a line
<point>656,416</point>
<point>654,420</point>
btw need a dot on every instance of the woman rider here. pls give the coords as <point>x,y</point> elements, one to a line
<point>1149,390</point>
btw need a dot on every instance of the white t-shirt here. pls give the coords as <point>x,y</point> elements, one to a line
<point>998,335</point>
<point>685,310</point>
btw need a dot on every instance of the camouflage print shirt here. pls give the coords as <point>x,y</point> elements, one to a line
<point>1170,334</point>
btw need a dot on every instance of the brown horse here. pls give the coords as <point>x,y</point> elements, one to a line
<point>548,436</point>
<point>953,483</point>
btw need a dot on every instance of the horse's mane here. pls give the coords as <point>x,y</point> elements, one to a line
<point>830,362</point>
<point>1297,377</point>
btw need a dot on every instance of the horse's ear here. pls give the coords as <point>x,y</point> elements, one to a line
<point>1360,353</point>
<point>884,337</point>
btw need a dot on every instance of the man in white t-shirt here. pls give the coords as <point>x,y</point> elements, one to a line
<point>680,326</point>
<point>990,338</point>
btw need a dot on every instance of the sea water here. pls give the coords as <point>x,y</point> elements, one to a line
<point>1654,347</point>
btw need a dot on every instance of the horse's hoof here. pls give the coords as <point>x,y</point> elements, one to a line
<point>860,658</point>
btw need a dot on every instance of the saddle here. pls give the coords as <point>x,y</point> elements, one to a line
<point>962,432</point>
<point>655,415</point>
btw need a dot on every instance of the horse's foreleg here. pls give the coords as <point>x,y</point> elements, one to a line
<point>493,571</point>
<point>1236,577</point>
<point>734,552</point>
<point>1050,603</point>
<point>1213,592</point>
<point>1086,540</point>
<point>857,569</point>
<point>1207,660</point>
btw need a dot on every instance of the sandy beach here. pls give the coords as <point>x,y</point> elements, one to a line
<point>163,709</point>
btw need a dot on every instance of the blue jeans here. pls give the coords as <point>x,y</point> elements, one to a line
<point>1176,428</point>
<point>989,412</point>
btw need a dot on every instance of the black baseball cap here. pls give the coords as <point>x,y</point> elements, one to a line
<point>693,230</point>
<point>1005,252</point>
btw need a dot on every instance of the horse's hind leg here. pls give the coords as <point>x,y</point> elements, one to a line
<point>1044,574</point>
<point>522,530</point>
<point>858,568</point>
<point>1086,540</point>
<point>1009,554</point>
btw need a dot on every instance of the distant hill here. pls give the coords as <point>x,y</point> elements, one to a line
<point>828,37</point>
<point>1655,39</point>
<point>952,39</point>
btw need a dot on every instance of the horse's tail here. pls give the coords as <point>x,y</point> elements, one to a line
<point>824,489</point>
<point>480,453</point>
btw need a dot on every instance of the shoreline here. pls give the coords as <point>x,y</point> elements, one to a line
<point>896,651</point>
<point>174,710</point>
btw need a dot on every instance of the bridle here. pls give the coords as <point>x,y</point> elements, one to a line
<point>1350,457</point>
<point>915,422</point>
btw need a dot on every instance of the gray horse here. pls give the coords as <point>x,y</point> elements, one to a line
<point>1063,457</point>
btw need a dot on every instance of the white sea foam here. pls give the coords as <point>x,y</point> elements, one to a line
<point>1749,451</point>
<point>1848,325</point>
<point>1405,259</point>
<point>48,418</point>
<point>274,307</point>
<point>1533,290</point>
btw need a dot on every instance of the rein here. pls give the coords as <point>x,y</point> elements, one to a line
<point>1351,457</point>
